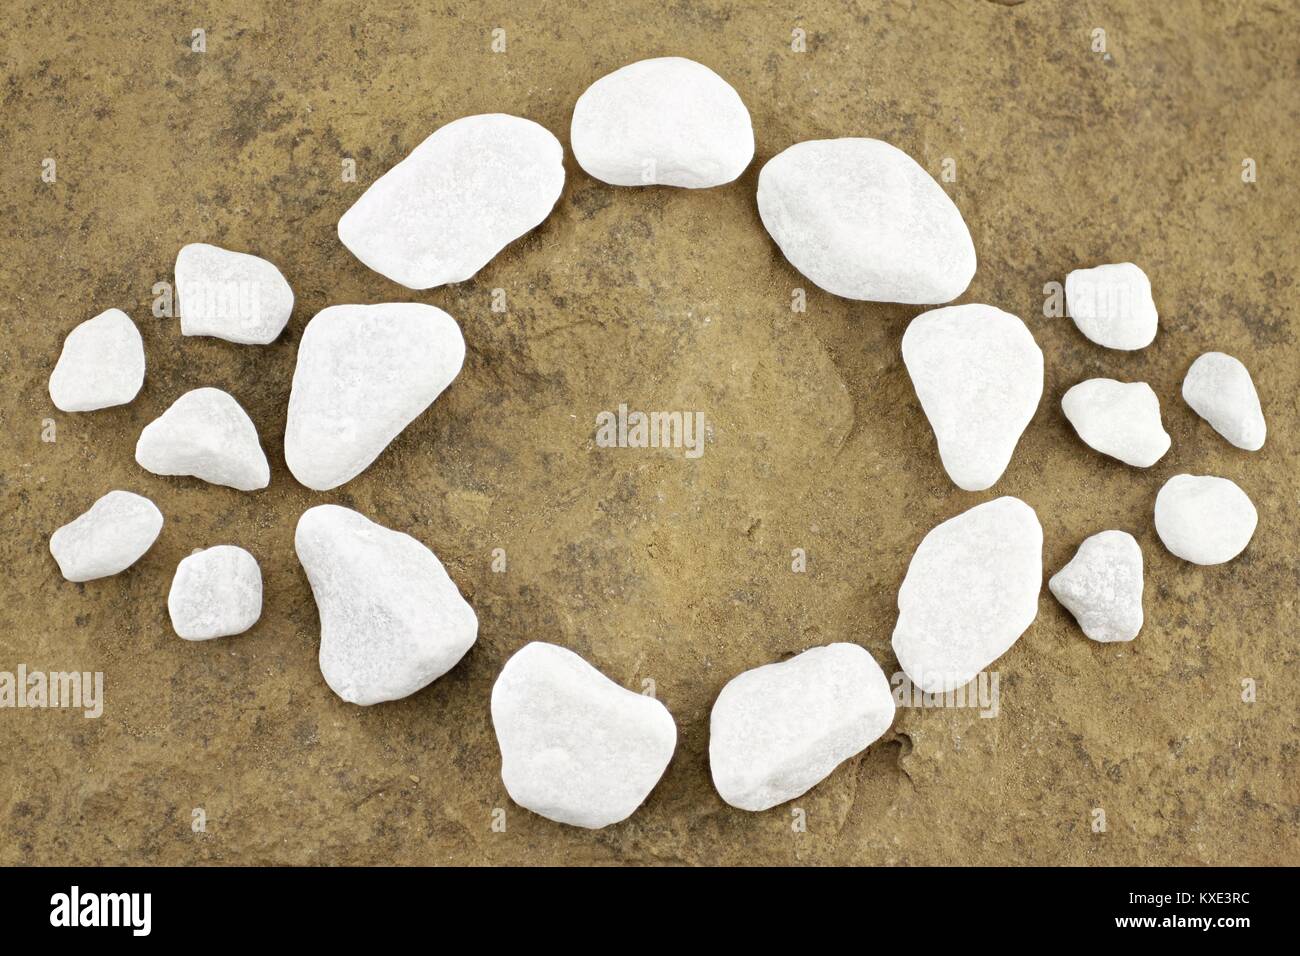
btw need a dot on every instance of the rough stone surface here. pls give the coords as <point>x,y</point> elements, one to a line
<point>216,592</point>
<point>1219,389</point>
<point>101,365</point>
<point>1120,419</point>
<point>666,121</point>
<point>979,375</point>
<point>207,434</point>
<point>1102,586</point>
<point>110,537</point>
<point>391,620</point>
<point>778,730</point>
<point>576,747</point>
<point>1112,305</point>
<point>231,295</point>
<point>1204,519</point>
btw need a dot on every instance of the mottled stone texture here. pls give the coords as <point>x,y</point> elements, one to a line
<point>649,565</point>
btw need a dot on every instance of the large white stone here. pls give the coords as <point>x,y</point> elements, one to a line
<point>1120,419</point>
<point>667,121</point>
<point>970,592</point>
<point>1204,519</point>
<point>101,365</point>
<point>115,533</point>
<point>576,747</point>
<point>231,295</point>
<point>206,434</point>
<point>460,197</point>
<point>979,375</point>
<point>778,730</point>
<point>1219,389</point>
<point>391,620</point>
<point>216,592</point>
<point>1112,305</point>
<point>364,373</point>
<point>1102,586</point>
<point>863,220</point>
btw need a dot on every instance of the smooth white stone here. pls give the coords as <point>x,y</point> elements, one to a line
<point>779,730</point>
<point>391,620</point>
<point>979,375</point>
<point>576,747</point>
<point>667,121</point>
<point>460,197</point>
<point>231,295</point>
<point>1120,419</point>
<point>1204,519</point>
<point>1102,586</point>
<point>1112,305</point>
<point>970,592</point>
<point>364,373</point>
<point>101,365</point>
<point>208,435</point>
<point>113,535</point>
<point>216,592</point>
<point>1219,389</point>
<point>863,220</point>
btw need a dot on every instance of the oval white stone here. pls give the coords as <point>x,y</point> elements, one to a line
<point>979,375</point>
<point>110,537</point>
<point>364,373</point>
<point>576,747</point>
<point>216,592</point>
<point>970,592</point>
<point>778,730</point>
<point>206,434</point>
<point>391,620</point>
<point>667,121</point>
<point>1219,389</point>
<point>231,295</point>
<point>1112,305</point>
<point>863,220</point>
<point>1102,586</point>
<point>101,365</point>
<point>460,197</point>
<point>1204,519</point>
<point>1120,419</point>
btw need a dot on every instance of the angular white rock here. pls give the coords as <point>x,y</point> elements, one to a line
<point>101,365</point>
<point>576,747</point>
<point>364,373</point>
<point>216,592</point>
<point>979,375</point>
<point>1219,389</point>
<point>231,295</point>
<point>863,220</point>
<point>460,197</point>
<point>391,620</point>
<point>1204,519</point>
<point>206,434</point>
<point>1102,586</point>
<point>778,730</point>
<point>115,533</point>
<point>970,592</point>
<point>667,121</point>
<point>1120,419</point>
<point>1112,305</point>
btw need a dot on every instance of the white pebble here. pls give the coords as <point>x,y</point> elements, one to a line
<point>979,375</point>
<point>101,365</point>
<point>1120,419</point>
<point>970,592</point>
<point>115,533</point>
<point>1219,389</point>
<point>1204,519</point>
<point>576,747</point>
<point>206,434</point>
<point>460,197</point>
<point>863,220</point>
<point>1102,586</point>
<point>1112,305</point>
<point>779,730</point>
<point>364,373</point>
<point>667,121</point>
<point>231,295</point>
<point>216,592</point>
<point>391,620</point>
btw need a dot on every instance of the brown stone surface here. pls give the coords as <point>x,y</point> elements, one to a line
<point>649,565</point>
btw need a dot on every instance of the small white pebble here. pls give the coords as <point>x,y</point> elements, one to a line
<point>101,365</point>
<point>1112,305</point>
<point>231,295</point>
<point>1120,419</point>
<point>1219,389</point>
<point>216,592</point>
<point>1102,586</point>
<point>110,537</point>
<point>1204,519</point>
<point>205,433</point>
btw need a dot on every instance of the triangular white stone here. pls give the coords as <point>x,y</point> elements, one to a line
<point>1102,586</point>
<point>1120,419</point>
<point>208,435</point>
<point>101,365</point>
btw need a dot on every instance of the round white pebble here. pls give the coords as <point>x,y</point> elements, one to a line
<point>1204,519</point>
<point>215,593</point>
